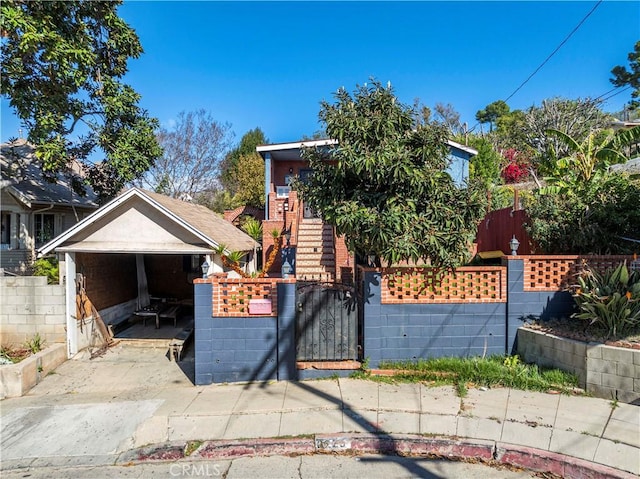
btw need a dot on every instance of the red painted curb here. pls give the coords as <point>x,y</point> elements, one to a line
<point>255,447</point>
<point>532,459</point>
<point>561,465</point>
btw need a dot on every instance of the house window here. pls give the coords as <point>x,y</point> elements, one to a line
<point>43,228</point>
<point>6,231</point>
<point>283,191</point>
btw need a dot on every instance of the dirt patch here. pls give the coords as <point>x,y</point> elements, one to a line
<point>11,355</point>
<point>577,331</point>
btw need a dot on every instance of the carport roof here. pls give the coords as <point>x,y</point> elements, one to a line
<point>193,228</point>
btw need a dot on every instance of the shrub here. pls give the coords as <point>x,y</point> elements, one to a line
<point>609,301</point>
<point>47,267</point>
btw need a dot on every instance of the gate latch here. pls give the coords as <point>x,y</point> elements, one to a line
<point>299,307</point>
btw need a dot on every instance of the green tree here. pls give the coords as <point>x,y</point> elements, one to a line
<point>62,69</point>
<point>492,112</point>
<point>229,166</point>
<point>584,208</point>
<point>384,186</point>
<point>631,77</point>
<point>250,180</point>
<point>193,151</point>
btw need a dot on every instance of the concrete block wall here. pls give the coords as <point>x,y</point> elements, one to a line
<point>526,305</point>
<point>552,352</point>
<point>613,373</point>
<point>30,306</point>
<point>231,349</point>
<point>607,372</point>
<point>413,331</point>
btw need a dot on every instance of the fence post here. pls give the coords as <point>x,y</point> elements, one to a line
<point>287,331</point>
<point>203,323</point>
<point>516,304</point>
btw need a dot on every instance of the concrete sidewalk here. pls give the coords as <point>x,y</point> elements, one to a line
<point>134,403</point>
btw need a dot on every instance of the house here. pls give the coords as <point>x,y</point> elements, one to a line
<point>141,245</point>
<point>33,210</point>
<point>312,249</point>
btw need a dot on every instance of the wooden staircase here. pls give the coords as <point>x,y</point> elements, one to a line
<point>315,254</point>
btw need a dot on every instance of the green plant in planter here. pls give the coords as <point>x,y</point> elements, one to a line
<point>609,301</point>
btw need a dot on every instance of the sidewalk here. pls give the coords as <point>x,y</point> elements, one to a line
<point>134,404</point>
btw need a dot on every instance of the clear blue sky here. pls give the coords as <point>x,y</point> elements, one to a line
<point>268,65</point>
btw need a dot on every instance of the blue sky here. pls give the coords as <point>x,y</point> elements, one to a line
<point>268,65</point>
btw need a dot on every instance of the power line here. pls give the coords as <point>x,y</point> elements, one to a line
<point>615,94</point>
<point>556,50</point>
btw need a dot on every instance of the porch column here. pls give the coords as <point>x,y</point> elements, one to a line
<point>70,287</point>
<point>267,183</point>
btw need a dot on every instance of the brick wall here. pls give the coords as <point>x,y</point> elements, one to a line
<point>470,284</point>
<point>344,261</point>
<point>167,277</point>
<point>30,306</point>
<point>111,278</point>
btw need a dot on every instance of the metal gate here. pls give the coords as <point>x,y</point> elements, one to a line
<point>326,322</point>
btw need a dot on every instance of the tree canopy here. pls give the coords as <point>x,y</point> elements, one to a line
<point>62,66</point>
<point>630,77</point>
<point>246,148</point>
<point>384,186</point>
<point>193,151</point>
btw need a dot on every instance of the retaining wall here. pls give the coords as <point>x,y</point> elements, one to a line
<point>607,372</point>
<point>17,379</point>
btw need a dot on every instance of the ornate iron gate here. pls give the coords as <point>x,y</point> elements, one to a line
<point>326,322</point>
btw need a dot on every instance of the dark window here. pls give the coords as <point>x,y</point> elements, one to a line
<point>43,228</point>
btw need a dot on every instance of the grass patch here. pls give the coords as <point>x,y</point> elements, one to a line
<point>505,371</point>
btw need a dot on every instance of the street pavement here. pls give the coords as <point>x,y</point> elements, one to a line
<point>133,407</point>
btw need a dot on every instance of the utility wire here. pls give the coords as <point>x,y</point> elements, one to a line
<point>556,50</point>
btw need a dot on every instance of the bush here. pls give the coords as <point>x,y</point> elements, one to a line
<point>47,267</point>
<point>610,301</point>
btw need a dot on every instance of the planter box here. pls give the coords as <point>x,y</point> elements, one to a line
<point>607,372</point>
<point>17,379</point>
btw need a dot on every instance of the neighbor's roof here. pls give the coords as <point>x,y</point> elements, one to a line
<point>197,220</point>
<point>22,178</point>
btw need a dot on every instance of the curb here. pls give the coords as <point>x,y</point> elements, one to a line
<point>490,452</point>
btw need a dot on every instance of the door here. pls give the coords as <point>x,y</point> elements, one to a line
<point>326,322</point>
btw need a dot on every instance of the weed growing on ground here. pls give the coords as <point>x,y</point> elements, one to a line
<point>493,371</point>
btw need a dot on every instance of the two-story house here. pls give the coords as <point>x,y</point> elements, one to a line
<point>312,249</point>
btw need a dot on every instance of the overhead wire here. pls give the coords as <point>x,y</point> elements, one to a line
<point>555,50</point>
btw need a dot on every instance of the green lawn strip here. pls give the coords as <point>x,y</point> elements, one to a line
<point>489,372</point>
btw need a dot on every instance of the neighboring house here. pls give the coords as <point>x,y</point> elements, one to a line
<point>142,245</point>
<point>33,210</point>
<point>314,252</point>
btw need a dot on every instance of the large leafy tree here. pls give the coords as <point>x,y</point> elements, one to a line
<point>630,77</point>
<point>62,69</point>
<point>193,151</point>
<point>384,186</point>
<point>246,148</point>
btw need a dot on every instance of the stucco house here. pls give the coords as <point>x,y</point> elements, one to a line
<point>312,249</point>
<point>138,246</point>
<point>33,210</point>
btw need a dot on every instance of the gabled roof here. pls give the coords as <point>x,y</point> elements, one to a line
<point>284,151</point>
<point>22,178</point>
<point>199,228</point>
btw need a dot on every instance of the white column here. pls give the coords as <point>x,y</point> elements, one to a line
<point>72,322</point>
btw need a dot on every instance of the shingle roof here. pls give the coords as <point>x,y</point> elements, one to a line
<point>206,221</point>
<point>22,176</point>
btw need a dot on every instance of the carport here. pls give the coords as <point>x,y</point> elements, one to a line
<point>139,248</point>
